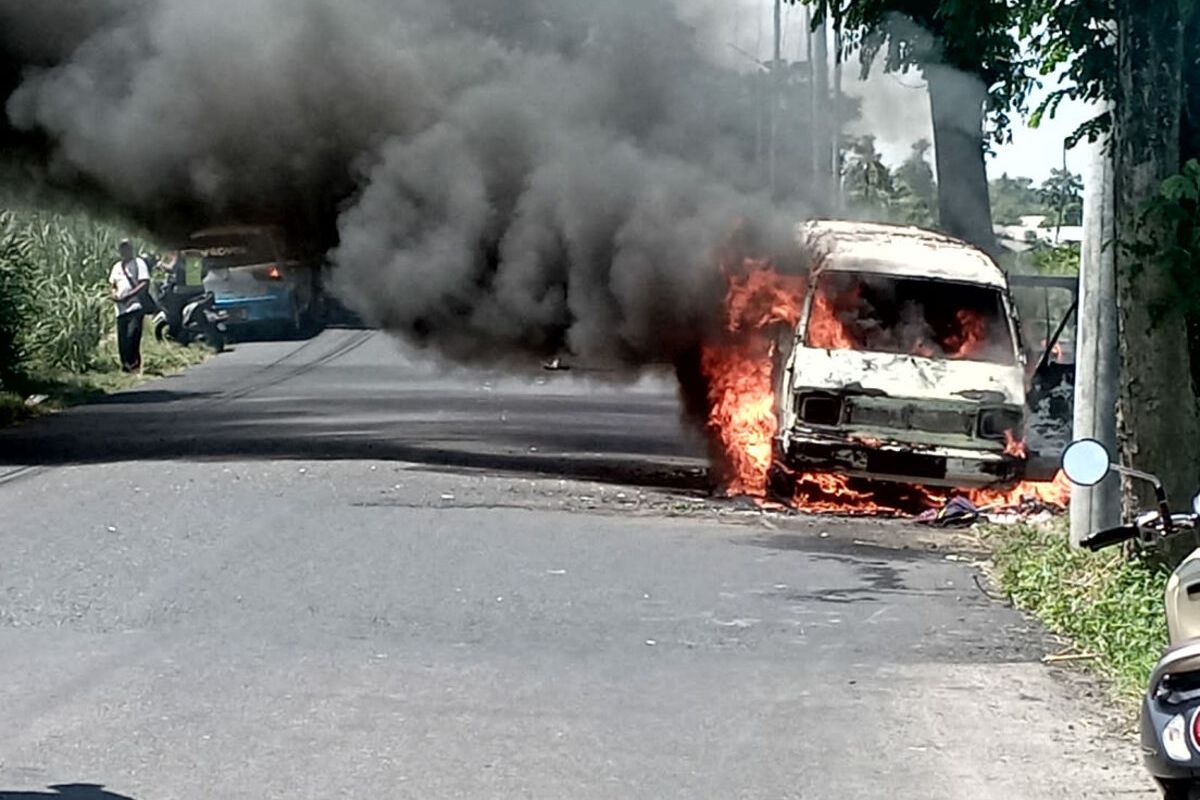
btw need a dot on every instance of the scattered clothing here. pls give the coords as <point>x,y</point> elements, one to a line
<point>957,511</point>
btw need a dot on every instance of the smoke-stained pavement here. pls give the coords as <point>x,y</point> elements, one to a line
<point>329,569</point>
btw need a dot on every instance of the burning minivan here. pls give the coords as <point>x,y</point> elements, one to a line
<point>906,364</point>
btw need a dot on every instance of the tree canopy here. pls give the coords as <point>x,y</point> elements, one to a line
<point>971,36</point>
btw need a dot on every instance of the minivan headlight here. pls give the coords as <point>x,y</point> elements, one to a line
<point>994,423</point>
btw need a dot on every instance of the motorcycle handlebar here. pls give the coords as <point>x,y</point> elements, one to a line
<point>1107,538</point>
<point>1149,522</point>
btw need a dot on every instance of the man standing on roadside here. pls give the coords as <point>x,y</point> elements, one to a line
<point>130,277</point>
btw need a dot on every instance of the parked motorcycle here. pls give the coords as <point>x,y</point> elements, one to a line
<point>188,314</point>
<point>1170,719</point>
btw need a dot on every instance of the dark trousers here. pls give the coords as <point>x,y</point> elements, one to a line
<point>129,340</point>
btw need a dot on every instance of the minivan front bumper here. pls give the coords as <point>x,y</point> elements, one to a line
<point>935,465</point>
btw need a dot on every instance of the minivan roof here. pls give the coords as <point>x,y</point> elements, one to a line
<point>900,250</point>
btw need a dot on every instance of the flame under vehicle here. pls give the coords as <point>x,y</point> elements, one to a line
<point>906,364</point>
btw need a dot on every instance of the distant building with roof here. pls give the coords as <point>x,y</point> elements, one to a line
<point>1032,230</point>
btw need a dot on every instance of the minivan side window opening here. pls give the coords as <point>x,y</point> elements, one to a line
<point>909,316</point>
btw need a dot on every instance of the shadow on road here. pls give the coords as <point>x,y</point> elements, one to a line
<point>68,791</point>
<point>140,397</point>
<point>630,440</point>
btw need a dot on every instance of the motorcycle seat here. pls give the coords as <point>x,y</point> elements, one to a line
<point>188,292</point>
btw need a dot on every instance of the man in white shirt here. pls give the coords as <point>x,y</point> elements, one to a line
<point>129,278</point>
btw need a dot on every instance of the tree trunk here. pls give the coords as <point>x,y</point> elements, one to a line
<point>1159,427</point>
<point>1189,148</point>
<point>964,206</point>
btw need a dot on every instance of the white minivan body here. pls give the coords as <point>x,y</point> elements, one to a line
<point>906,364</point>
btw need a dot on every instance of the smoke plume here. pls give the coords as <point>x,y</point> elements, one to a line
<point>493,178</point>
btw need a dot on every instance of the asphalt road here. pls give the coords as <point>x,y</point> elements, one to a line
<point>333,569</point>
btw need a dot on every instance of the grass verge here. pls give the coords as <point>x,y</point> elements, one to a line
<point>1107,604</point>
<point>62,389</point>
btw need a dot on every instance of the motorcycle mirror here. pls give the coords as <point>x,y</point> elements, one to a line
<point>1196,504</point>
<point>1086,462</point>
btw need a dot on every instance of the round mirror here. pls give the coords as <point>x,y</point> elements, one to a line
<point>1085,462</point>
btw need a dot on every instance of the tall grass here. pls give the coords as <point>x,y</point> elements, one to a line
<point>54,306</point>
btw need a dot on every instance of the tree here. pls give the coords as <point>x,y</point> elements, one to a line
<point>1062,193</point>
<point>1158,405</point>
<point>1075,39</point>
<point>1013,198</point>
<point>972,63</point>
<point>873,190</point>
<point>868,181</point>
<point>916,176</point>
<point>1142,62</point>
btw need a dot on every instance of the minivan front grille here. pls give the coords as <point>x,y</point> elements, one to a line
<point>942,421</point>
<point>909,416</point>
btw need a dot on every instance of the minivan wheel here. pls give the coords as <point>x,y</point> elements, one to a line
<point>781,483</point>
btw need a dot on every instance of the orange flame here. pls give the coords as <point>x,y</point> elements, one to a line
<point>1057,354</point>
<point>741,412</point>
<point>825,330</point>
<point>740,370</point>
<point>830,493</point>
<point>1055,493</point>
<point>969,339</point>
<point>1014,446</point>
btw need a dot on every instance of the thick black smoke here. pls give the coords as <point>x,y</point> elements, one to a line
<point>491,177</point>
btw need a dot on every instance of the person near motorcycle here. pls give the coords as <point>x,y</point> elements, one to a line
<point>130,279</point>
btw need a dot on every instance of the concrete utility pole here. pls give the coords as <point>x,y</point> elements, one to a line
<point>773,143</point>
<point>835,168</point>
<point>819,56</point>
<point>1097,362</point>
